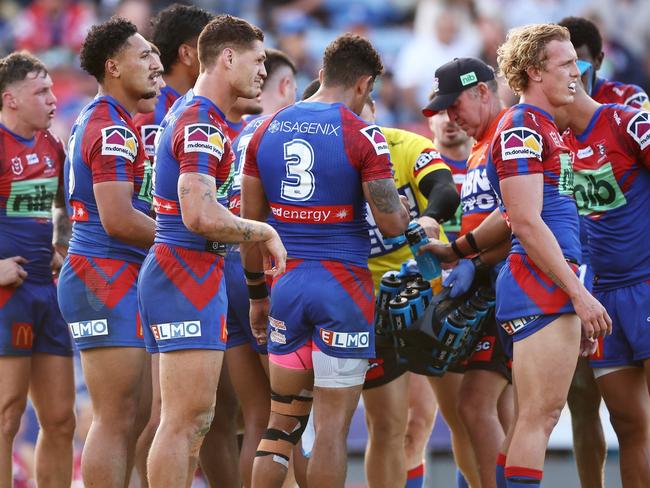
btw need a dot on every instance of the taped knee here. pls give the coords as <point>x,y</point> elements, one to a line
<point>277,442</point>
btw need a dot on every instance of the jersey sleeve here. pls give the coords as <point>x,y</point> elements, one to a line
<point>638,132</point>
<point>428,161</point>
<point>517,148</point>
<point>635,97</point>
<point>366,147</point>
<point>250,161</point>
<point>200,146</point>
<point>110,149</point>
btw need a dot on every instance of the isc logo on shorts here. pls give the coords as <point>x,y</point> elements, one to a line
<point>176,330</point>
<point>346,340</point>
<point>89,328</point>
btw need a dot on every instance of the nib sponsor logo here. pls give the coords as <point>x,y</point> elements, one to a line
<point>639,129</point>
<point>119,141</point>
<point>204,138</point>
<point>376,137</point>
<point>521,142</point>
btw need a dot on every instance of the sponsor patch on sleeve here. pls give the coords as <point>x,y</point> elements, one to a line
<point>204,138</point>
<point>118,140</point>
<point>639,129</point>
<point>376,137</point>
<point>424,159</point>
<point>149,134</point>
<point>638,100</point>
<point>521,142</point>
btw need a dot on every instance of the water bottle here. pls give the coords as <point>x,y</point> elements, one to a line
<point>424,287</point>
<point>428,264</point>
<point>415,302</point>
<point>400,312</point>
<point>389,287</point>
<point>452,333</point>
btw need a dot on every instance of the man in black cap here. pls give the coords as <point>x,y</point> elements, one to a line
<point>467,89</point>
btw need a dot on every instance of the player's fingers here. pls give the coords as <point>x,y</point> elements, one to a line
<point>22,273</point>
<point>18,259</point>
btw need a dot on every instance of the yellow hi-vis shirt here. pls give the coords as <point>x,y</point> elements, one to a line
<point>413,157</point>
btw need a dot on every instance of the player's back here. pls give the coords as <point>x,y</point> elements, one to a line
<point>608,91</point>
<point>30,171</point>
<point>312,158</point>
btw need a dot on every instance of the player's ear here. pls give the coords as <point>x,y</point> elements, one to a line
<point>534,73</point>
<point>363,85</point>
<point>8,100</point>
<point>321,75</point>
<point>112,68</point>
<point>228,56</point>
<point>185,54</point>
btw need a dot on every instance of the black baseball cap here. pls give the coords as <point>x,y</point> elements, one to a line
<point>452,78</point>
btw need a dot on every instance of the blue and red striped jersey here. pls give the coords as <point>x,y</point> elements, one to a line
<point>192,140</point>
<point>312,159</point>
<point>527,142</point>
<point>607,91</point>
<point>104,146</point>
<point>612,190</point>
<point>31,174</point>
<point>149,124</point>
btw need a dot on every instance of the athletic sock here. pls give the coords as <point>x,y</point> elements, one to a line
<point>415,477</point>
<point>461,482</point>
<point>501,475</point>
<point>520,477</point>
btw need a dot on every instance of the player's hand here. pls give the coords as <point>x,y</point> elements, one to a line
<point>259,318</point>
<point>587,347</point>
<point>405,203</point>
<point>441,250</point>
<point>11,271</point>
<point>274,253</point>
<point>461,277</point>
<point>57,262</point>
<point>431,227</point>
<point>595,319</point>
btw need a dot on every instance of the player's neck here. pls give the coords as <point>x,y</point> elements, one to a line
<point>207,85</point>
<point>539,100</point>
<point>582,111</point>
<point>115,90</point>
<point>15,125</point>
<point>333,94</point>
<point>180,80</point>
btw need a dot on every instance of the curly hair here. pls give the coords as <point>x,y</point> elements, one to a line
<point>103,42</point>
<point>347,58</point>
<point>225,31</point>
<point>177,24</point>
<point>16,66</point>
<point>525,47</point>
<point>584,32</point>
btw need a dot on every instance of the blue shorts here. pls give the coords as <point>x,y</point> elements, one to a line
<point>30,321</point>
<point>98,300</point>
<point>328,302</point>
<point>239,326</point>
<point>629,308</point>
<point>182,299</point>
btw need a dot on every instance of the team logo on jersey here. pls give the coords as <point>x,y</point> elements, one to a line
<point>148,133</point>
<point>32,159</point>
<point>585,152</point>
<point>117,140</point>
<point>424,159</point>
<point>521,142</point>
<point>376,137</point>
<point>639,129</point>
<point>17,166</point>
<point>274,127</point>
<point>638,100</point>
<point>204,138</point>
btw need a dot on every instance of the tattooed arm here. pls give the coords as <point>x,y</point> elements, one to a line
<point>389,213</point>
<point>62,224</point>
<point>203,215</point>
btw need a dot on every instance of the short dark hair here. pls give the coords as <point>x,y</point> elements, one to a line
<point>16,66</point>
<point>275,59</point>
<point>313,87</point>
<point>349,57</point>
<point>105,41</point>
<point>584,32</point>
<point>176,25</point>
<point>225,31</point>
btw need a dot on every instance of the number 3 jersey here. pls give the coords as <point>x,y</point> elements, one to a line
<point>30,177</point>
<point>104,146</point>
<point>312,159</point>
<point>612,190</point>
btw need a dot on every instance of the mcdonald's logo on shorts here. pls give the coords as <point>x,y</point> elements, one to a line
<point>22,335</point>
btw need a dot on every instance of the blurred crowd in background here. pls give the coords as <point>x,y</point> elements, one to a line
<point>413,36</point>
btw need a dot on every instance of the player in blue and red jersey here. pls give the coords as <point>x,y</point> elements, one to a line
<point>108,187</point>
<point>35,345</point>
<point>310,166</point>
<point>247,360</point>
<point>185,265</point>
<point>540,299</point>
<point>611,144</point>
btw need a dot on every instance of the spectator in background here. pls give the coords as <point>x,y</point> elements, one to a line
<point>292,39</point>
<point>137,11</point>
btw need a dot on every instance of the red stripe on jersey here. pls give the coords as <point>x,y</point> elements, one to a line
<point>234,204</point>
<point>112,284</point>
<point>79,211</point>
<point>358,285</point>
<point>541,290</point>
<point>165,207</point>
<point>6,292</point>
<point>327,214</point>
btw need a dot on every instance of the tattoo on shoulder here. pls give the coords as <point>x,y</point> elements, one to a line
<point>384,195</point>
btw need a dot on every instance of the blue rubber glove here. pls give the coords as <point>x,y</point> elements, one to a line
<point>461,277</point>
